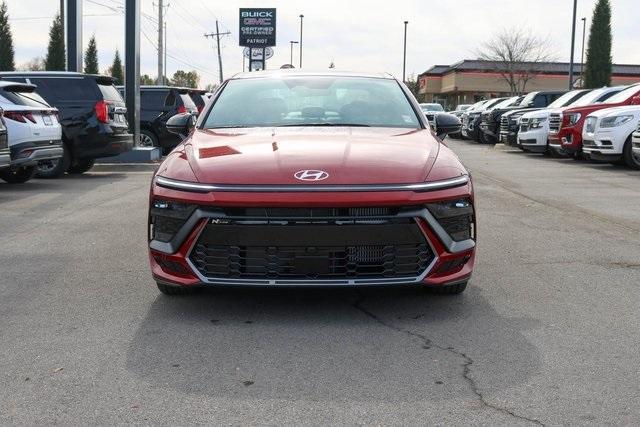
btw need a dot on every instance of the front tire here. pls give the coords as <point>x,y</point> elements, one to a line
<point>175,290</point>
<point>81,166</point>
<point>456,289</point>
<point>147,139</point>
<point>632,160</point>
<point>18,176</point>
<point>52,169</point>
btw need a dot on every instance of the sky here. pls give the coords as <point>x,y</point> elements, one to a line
<point>355,35</point>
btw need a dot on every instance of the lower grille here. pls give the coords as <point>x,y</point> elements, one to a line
<point>333,250</point>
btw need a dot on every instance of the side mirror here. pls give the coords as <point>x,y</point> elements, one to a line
<point>181,124</point>
<point>447,124</point>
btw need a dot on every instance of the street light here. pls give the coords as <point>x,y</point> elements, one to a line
<point>301,17</point>
<point>292,42</point>
<point>573,43</point>
<point>404,59</point>
<point>584,28</point>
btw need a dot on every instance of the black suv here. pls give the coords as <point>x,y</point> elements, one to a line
<point>491,119</point>
<point>92,114</point>
<point>157,105</point>
<point>199,97</point>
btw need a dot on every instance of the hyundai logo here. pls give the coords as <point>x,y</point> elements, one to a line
<point>311,175</point>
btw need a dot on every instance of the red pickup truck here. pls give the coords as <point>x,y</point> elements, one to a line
<point>565,125</point>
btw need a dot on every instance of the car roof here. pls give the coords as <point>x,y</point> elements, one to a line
<point>9,83</point>
<point>52,74</point>
<point>292,72</point>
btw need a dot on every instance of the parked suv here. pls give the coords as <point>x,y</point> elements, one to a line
<point>487,128</point>
<point>565,126</point>
<point>471,118</point>
<point>34,134</point>
<point>534,125</point>
<point>199,97</point>
<point>157,105</point>
<point>490,124</point>
<point>510,120</point>
<point>92,114</point>
<point>607,135</point>
<point>635,141</point>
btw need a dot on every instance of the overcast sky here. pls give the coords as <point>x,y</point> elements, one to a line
<point>355,35</point>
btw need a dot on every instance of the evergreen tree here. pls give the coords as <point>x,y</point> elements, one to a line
<point>91,57</point>
<point>117,72</point>
<point>6,41</point>
<point>598,65</point>
<point>55,60</point>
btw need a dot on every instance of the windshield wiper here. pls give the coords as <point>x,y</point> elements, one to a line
<point>325,124</point>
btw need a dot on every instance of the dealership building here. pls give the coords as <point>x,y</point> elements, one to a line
<point>470,81</point>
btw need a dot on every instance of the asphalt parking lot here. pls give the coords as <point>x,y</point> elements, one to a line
<point>547,332</point>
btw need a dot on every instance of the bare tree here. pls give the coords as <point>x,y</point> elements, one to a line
<point>516,54</point>
<point>36,64</point>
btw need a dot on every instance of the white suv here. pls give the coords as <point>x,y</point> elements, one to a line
<point>33,131</point>
<point>635,140</point>
<point>606,135</point>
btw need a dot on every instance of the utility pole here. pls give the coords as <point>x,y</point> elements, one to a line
<point>584,28</point>
<point>301,18</point>
<point>217,35</point>
<point>164,74</point>
<point>404,56</point>
<point>160,42</point>
<point>573,43</point>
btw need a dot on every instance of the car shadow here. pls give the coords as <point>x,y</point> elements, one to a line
<point>570,162</point>
<point>384,344</point>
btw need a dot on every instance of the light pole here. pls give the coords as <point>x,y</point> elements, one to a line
<point>301,18</point>
<point>584,28</point>
<point>573,43</point>
<point>404,58</point>
<point>292,42</point>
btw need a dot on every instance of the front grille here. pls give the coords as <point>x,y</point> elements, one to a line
<point>504,124</point>
<point>524,124</point>
<point>554,122</point>
<point>282,248</point>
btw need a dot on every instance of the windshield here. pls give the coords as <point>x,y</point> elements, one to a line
<point>594,96</point>
<point>431,107</point>
<point>29,99</point>
<point>566,98</point>
<point>623,95</point>
<point>527,99</point>
<point>312,101</point>
<point>505,103</point>
<point>110,93</point>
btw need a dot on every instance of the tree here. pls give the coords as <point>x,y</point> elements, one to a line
<point>117,71</point>
<point>6,41</point>
<point>598,66</point>
<point>91,57</point>
<point>145,79</point>
<point>414,85</point>
<point>55,59</point>
<point>36,64</point>
<point>211,87</point>
<point>515,53</point>
<point>185,79</point>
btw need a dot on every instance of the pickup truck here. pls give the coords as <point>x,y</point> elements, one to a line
<point>565,126</point>
<point>607,135</point>
<point>489,120</point>
<point>497,130</point>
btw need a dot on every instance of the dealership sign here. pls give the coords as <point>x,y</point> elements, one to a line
<point>256,54</point>
<point>257,27</point>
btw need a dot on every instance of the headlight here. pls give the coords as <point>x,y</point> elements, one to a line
<point>515,118</point>
<point>536,123</point>
<point>572,118</point>
<point>167,218</point>
<point>610,122</point>
<point>456,217</point>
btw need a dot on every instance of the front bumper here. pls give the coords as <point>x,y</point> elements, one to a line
<point>103,145</point>
<point>30,153</point>
<point>490,130</point>
<point>509,138</point>
<point>172,262</point>
<point>568,140</point>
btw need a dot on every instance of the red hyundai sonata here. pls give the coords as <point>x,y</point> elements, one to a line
<point>292,178</point>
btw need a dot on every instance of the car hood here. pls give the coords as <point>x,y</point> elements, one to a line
<point>616,111</point>
<point>538,114</point>
<point>348,155</point>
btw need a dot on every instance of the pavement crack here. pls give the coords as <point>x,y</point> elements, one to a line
<point>426,343</point>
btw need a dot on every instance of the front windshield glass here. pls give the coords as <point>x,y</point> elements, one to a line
<point>564,99</point>
<point>431,107</point>
<point>527,99</point>
<point>591,97</point>
<point>312,101</point>
<point>506,103</point>
<point>623,95</point>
